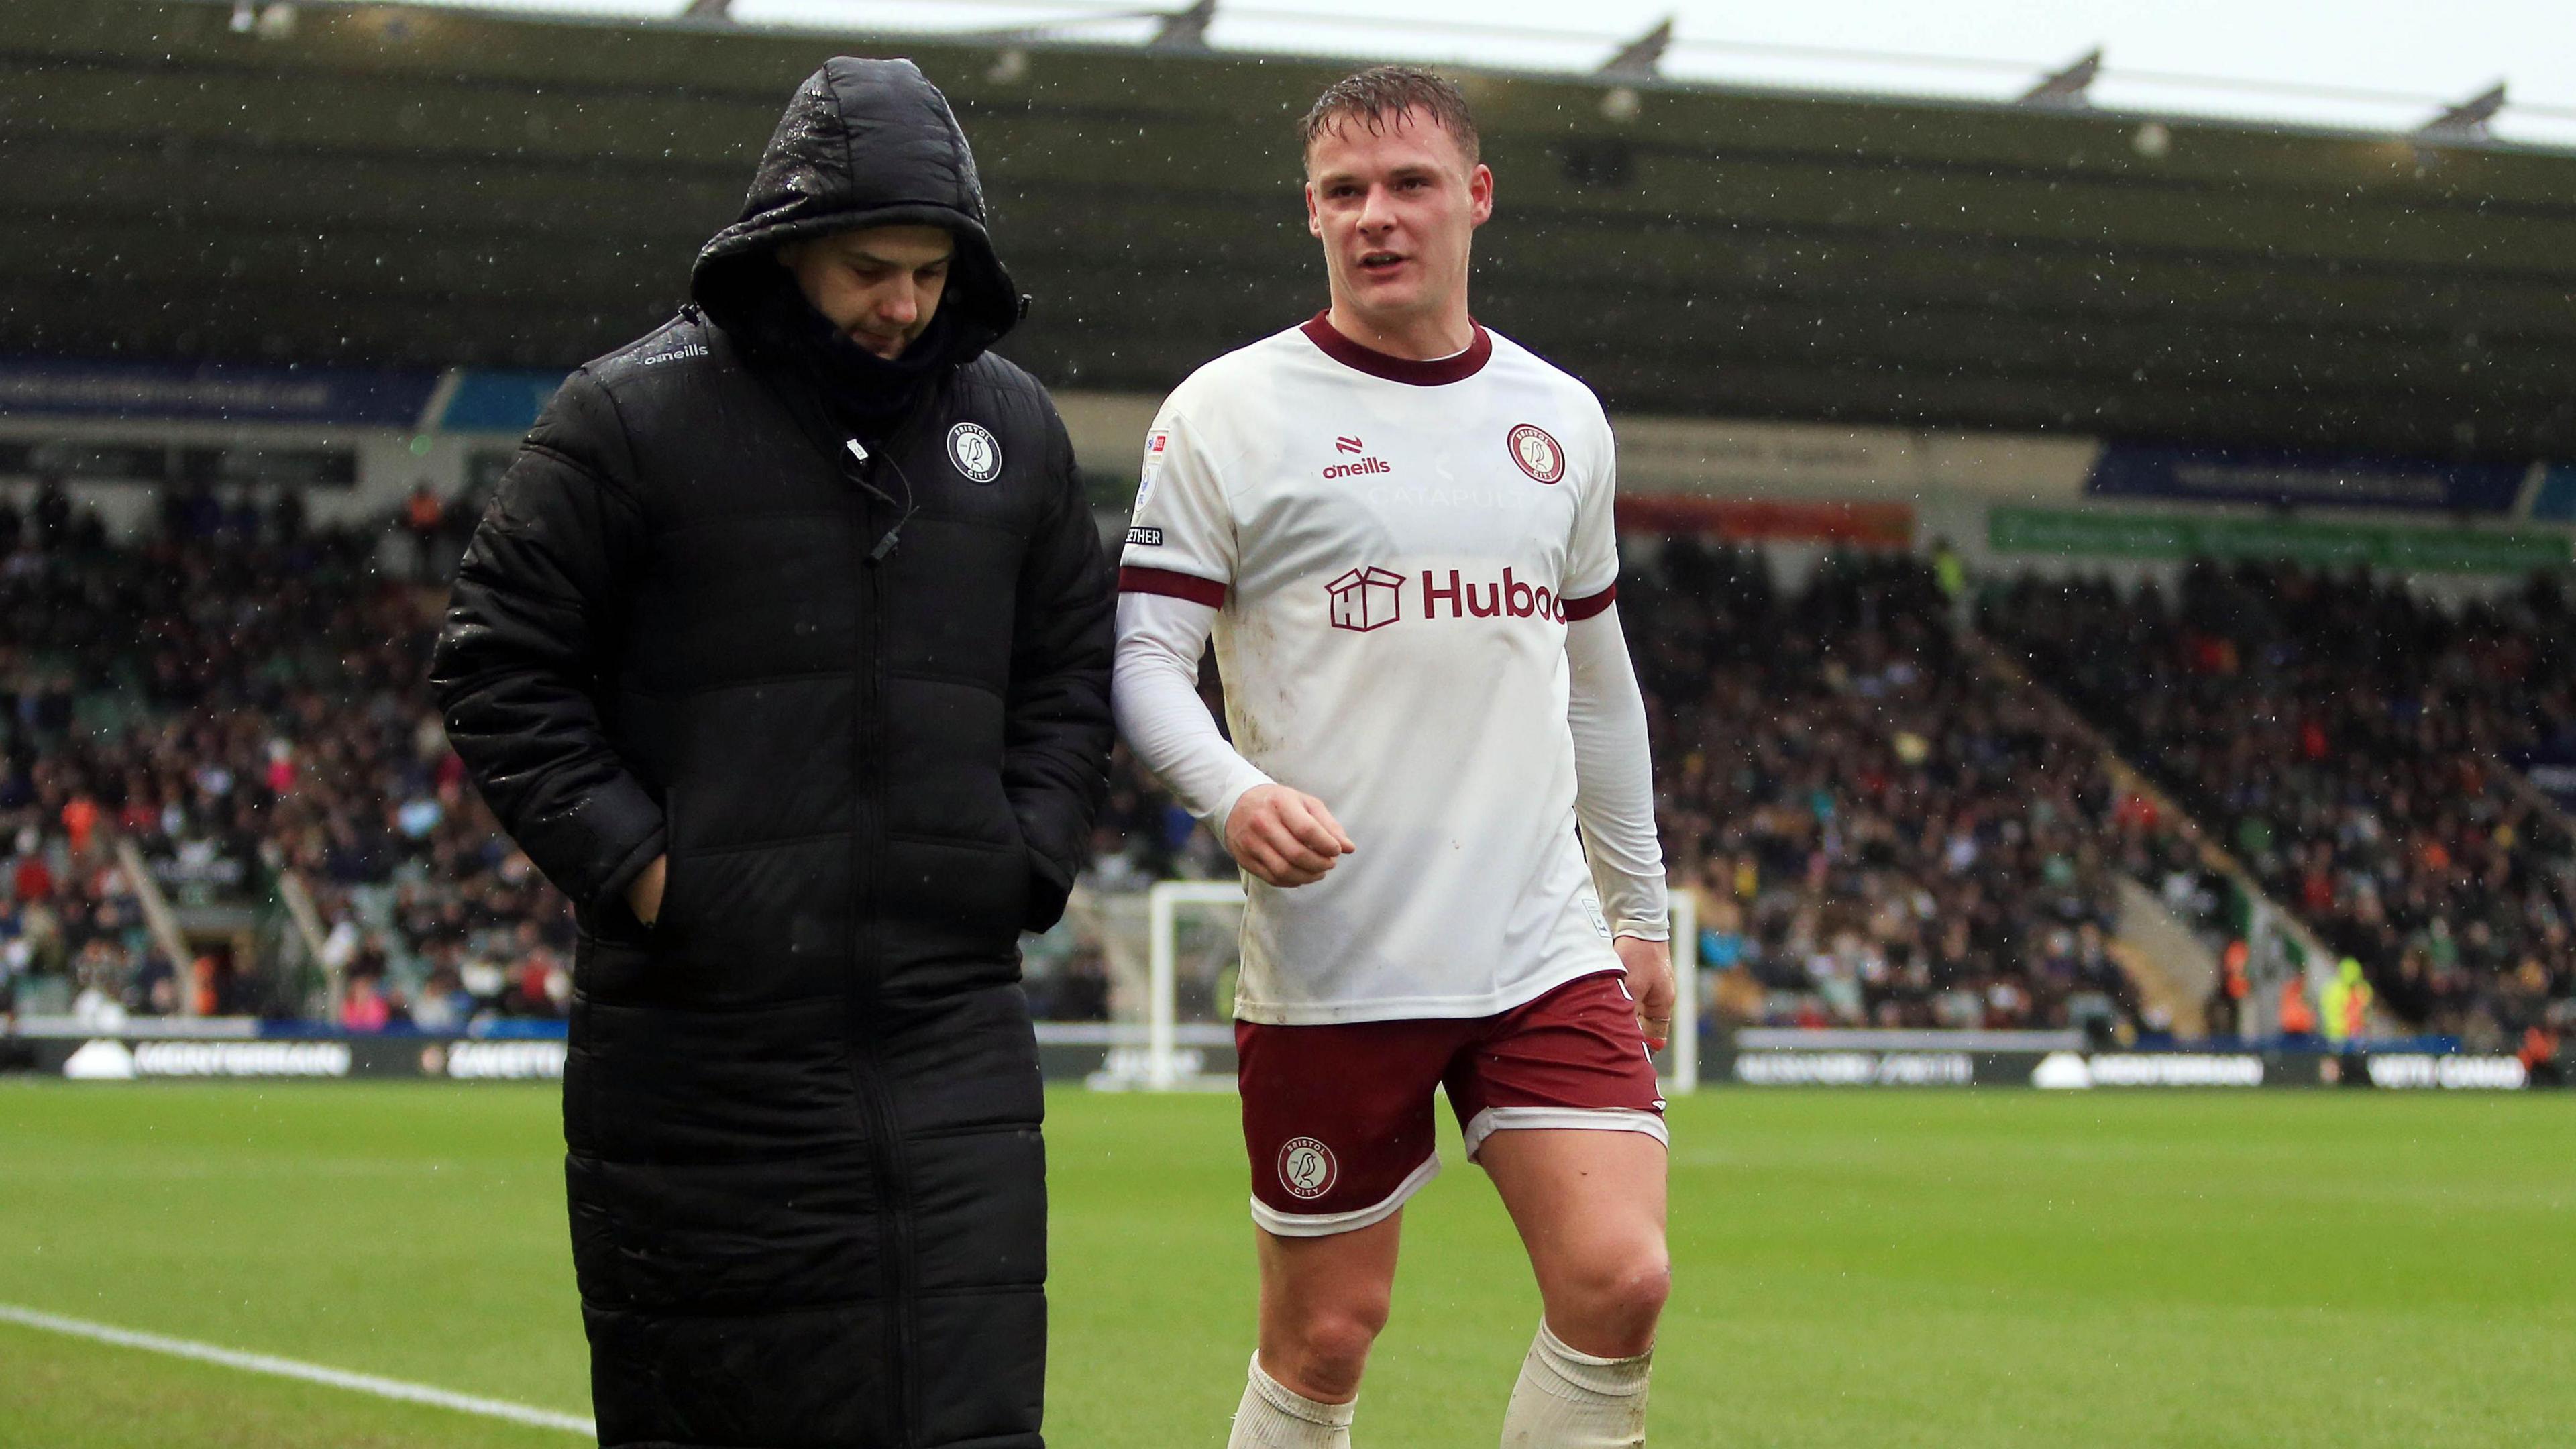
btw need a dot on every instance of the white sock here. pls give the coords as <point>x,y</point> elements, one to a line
<point>1569,1400</point>
<point>1275,1416</point>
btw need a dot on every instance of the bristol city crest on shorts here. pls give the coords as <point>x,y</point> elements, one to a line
<point>1536,452</point>
<point>975,452</point>
<point>1307,1169</point>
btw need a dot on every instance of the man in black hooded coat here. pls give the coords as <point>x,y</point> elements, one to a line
<point>819,641</point>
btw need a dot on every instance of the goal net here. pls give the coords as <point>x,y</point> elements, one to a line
<point>1191,932</point>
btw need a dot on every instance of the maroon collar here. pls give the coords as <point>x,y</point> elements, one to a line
<point>1420,373</point>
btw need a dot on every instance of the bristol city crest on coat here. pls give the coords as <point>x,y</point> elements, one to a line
<point>975,452</point>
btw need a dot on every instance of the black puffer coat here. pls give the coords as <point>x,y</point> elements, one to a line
<point>806,1184</point>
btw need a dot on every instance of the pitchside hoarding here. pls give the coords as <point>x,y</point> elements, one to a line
<point>1102,1056</point>
<point>2068,533</point>
<point>215,391</point>
<point>2058,1062</point>
<point>2290,480</point>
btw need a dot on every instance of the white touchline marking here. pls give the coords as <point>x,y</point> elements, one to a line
<point>260,1363</point>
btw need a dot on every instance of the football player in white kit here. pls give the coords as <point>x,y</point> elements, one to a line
<point>1397,527</point>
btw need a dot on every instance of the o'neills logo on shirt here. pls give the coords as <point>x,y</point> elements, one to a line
<point>1372,598</point>
<point>1349,444</point>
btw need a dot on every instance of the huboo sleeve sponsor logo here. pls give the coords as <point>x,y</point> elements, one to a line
<point>1306,1168</point>
<point>1537,454</point>
<point>975,451</point>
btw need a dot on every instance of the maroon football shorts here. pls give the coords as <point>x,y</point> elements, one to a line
<point>1337,1119</point>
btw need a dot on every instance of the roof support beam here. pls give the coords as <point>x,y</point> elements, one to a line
<point>1184,29</point>
<point>1640,58</point>
<point>2064,90</point>
<point>2466,121</point>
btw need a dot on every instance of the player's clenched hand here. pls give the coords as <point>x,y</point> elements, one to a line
<point>1650,981</point>
<point>1285,837</point>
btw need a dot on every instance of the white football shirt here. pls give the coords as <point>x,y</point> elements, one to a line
<point>1394,548</point>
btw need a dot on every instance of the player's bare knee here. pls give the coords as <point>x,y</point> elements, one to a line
<point>1611,1302</point>
<point>1331,1348</point>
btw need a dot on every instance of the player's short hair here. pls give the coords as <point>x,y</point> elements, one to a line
<point>1376,97</point>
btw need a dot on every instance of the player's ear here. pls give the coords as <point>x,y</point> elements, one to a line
<point>1480,194</point>
<point>1314,221</point>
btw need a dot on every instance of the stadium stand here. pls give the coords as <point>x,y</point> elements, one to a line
<point>241,695</point>
<point>1879,834</point>
<point>2351,737</point>
<point>1884,834</point>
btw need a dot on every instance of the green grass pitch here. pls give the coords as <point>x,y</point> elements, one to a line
<point>1988,1269</point>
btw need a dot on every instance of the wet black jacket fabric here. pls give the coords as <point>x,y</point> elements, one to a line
<point>863,708</point>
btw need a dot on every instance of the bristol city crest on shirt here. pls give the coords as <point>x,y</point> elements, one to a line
<point>1306,1168</point>
<point>1536,452</point>
<point>975,451</point>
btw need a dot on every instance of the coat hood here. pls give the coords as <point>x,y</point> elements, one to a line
<point>866,143</point>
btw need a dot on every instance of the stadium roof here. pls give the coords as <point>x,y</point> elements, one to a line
<point>387,183</point>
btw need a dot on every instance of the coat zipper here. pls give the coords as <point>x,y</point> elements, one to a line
<point>885,1146</point>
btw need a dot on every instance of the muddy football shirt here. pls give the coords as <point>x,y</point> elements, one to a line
<point>1394,549</point>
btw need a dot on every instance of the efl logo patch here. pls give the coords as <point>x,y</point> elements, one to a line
<point>1157,444</point>
<point>1537,454</point>
<point>976,452</point>
<point>1145,537</point>
<point>1307,1169</point>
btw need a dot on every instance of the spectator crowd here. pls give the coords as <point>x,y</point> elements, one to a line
<point>1877,833</point>
<point>239,694</point>
<point>1883,833</point>
<point>1879,829</point>
<point>2355,740</point>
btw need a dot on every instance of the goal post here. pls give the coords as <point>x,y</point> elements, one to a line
<point>1167,900</point>
<point>1162,982</point>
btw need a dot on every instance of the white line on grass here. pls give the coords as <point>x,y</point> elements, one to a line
<point>260,1363</point>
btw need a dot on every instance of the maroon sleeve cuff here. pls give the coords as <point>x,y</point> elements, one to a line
<point>1587,607</point>
<point>1134,580</point>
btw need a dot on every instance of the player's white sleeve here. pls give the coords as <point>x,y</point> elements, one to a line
<point>1154,692</point>
<point>1592,554</point>
<point>1614,778</point>
<point>1180,537</point>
